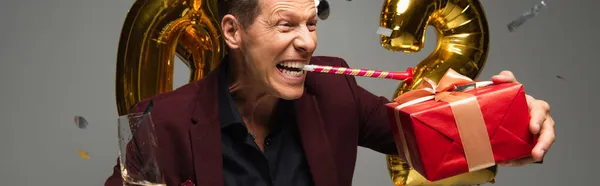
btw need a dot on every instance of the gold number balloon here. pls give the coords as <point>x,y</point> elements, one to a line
<point>153,33</point>
<point>463,40</point>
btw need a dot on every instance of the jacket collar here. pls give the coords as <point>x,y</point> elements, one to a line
<point>228,114</point>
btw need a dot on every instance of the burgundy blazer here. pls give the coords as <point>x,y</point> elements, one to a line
<point>334,117</point>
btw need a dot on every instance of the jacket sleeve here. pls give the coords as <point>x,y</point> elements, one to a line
<point>374,130</point>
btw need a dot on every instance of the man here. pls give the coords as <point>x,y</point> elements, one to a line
<point>259,120</point>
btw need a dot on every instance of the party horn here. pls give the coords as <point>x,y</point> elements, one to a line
<point>402,76</point>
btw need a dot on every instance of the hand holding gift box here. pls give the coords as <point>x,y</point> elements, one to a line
<point>443,132</point>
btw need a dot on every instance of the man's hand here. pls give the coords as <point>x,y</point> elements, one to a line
<point>541,123</point>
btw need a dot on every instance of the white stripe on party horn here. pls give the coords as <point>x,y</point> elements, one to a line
<point>360,72</point>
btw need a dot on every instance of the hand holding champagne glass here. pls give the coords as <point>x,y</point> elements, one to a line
<point>138,150</point>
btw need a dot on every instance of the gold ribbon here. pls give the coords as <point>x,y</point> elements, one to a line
<point>467,115</point>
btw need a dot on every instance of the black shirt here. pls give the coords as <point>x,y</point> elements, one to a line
<point>282,163</point>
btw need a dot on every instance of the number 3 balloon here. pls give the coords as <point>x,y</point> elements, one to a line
<point>463,40</point>
<point>153,32</point>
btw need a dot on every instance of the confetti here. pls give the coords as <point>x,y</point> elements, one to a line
<point>322,9</point>
<point>513,25</point>
<point>81,122</point>
<point>83,154</point>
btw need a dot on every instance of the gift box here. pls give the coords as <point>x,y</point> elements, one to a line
<point>444,130</point>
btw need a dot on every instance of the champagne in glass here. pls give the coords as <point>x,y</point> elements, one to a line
<point>138,151</point>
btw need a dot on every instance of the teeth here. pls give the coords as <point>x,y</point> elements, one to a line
<point>293,73</point>
<point>292,64</point>
<point>296,71</point>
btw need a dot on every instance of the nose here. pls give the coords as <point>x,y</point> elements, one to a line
<point>305,41</point>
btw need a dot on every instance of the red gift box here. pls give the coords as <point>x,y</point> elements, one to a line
<point>444,133</point>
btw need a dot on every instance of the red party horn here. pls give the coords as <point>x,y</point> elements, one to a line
<point>402,76</point>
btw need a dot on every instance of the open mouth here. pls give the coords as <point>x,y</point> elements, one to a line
<point>291,68</point>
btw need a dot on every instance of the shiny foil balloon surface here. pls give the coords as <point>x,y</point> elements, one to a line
<point>154,32</point>
<point>403,175</point>
<point>463,41</point>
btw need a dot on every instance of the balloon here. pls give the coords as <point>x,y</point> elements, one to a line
<point>463,41</point>
<point>155,31</point>
<point>403,175</point>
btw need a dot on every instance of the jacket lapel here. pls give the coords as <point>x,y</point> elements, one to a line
<point>315,142</point>
<point>205,133</point>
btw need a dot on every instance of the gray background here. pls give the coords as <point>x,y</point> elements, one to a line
<point>58,60</point>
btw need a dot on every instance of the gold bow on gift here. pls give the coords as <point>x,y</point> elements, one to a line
<point>467,114</point>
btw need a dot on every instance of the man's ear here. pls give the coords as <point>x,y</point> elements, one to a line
<point>231,31</point>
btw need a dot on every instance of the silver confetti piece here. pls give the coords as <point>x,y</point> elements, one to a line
<point>512,26</point>
<point>81,122</point>
<point>323,9</point>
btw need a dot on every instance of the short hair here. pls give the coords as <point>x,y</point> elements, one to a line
<point>245,11</point>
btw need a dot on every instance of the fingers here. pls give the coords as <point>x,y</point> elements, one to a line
<point>542,124</point>
<point>545,141</point>
<point>530,101</point>
<point>508,74</point>
<point>538,116</point>
<point>498,79</point>
<point>519,162</point>
<point>504,77</point>
<point>539,111</point>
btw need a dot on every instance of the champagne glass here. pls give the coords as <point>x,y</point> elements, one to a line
<point>138,151</point>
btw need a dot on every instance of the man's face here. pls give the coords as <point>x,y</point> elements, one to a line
<point>281,39</point>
